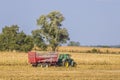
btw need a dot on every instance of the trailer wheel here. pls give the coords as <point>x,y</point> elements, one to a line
<point>41,65</point>
<point>34,65</point>
<point>46,65</point>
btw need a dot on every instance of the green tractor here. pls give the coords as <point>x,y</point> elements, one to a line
<point>66,60</point>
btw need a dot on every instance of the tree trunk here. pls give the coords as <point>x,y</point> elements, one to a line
<point>54,47</point>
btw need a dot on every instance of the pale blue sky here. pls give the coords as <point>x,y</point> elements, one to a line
<point>91,22</point>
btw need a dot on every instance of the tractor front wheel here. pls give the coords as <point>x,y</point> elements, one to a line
<point>66,64</point>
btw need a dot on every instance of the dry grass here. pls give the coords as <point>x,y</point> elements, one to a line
<point>14,66</point>
<point>13,58</point>
<point>87,49</point>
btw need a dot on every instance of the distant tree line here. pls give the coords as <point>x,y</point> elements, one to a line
<point>73,43</point>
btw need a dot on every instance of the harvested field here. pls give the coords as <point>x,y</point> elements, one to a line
<point>14,66</point>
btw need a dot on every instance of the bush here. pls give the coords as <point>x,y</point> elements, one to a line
<point>95,50</point>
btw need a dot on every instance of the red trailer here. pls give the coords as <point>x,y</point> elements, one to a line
<point>43,59</point>
<point>47,59</point>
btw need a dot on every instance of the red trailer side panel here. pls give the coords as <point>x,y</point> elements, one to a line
<point>32,57</point>
<point>50,58</point>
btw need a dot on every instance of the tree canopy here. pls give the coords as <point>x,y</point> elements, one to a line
<point>50,32</point>
<point>11,39</point>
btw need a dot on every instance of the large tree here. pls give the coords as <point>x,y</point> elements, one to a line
<point>51,33</point>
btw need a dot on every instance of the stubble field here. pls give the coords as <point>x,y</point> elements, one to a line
<point>90,66</point>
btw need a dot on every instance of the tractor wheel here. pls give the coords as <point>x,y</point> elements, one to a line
<point>72,63</point>
<point>66,64</point>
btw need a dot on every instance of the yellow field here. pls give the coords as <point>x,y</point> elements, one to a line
<point>14,66</point>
